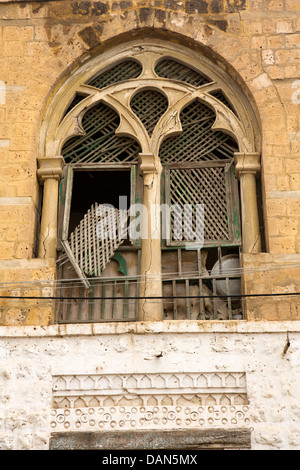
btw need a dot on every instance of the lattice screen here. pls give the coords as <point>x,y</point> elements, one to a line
<point>77,99</point>
<point>123,71</point>
<point>97,237</point>
<point>197,142</point>
<point>205,186</point>
<point>223,98</point>
<point>100,144</point>
<point>174,70</point>
<point>149,106</point>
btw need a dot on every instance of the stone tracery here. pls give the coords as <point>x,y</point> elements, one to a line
<point>129,86</point>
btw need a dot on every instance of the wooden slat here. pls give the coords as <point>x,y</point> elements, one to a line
<point>149,106</point>
<point>99,143</point>
<point>198,141</point>
<point>200,271</point>
<point>228,299</point>
<point>125,302</point>
<point>201,186</point>
<point>103,300</point>
<point>91,307</point>
<point>169,68</point>
<point>175,302</point>
<point>188,301</point>
<point>215,294</point>
<point>113,315</point>
<point>125,70</point>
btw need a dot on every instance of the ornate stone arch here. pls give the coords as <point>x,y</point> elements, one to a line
<point>193,77</point>
<point>243,123</point>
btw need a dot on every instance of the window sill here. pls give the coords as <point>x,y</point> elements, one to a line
<point>166,327</point>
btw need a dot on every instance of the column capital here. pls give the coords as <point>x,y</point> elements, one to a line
<point>50,167</point>
<point>147,163</point>
<point>247,163</point>
<point>148,167</point>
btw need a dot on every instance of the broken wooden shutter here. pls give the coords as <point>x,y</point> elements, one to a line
<point>95,240</point>
<point>61,202</point>
<point>64,227</point>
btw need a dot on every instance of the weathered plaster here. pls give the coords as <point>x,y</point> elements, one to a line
<point>267,352</point>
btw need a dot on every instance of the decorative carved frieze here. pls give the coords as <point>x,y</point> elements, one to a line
<point>149,401</point>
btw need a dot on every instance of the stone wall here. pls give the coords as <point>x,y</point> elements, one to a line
<point>267,273</point>
<point>22,282</point>
<point>42,43</point>
<point>232,376</point>
<point>169,376</point>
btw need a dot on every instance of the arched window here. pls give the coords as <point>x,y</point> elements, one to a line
<point>152,141</point>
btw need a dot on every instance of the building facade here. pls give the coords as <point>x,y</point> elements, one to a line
<point>150,206</point>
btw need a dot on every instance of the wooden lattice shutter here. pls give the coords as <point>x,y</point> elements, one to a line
<point>196,186</point>
<point>88,248</point>
<point>199,170</point>
<point>215,188</point>
<point>125,70</point>
<point>149,106</point>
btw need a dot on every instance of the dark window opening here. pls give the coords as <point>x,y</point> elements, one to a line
<point>77,99</point>
<point>103,187</point>
<point>223,98</point>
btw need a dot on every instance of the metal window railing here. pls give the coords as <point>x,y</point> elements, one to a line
<point>187,295</point>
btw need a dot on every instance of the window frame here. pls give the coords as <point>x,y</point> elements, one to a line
<point>242,124</point>
<point>232,202</point>
<point>65,202</point>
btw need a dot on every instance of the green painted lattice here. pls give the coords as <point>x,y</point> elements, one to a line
<point>125,70</point>
<point>149,106</point>
<point>174,70</point>
<point>205,186</point>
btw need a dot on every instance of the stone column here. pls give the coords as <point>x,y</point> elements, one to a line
<point>150,271</point>
<point>247,168</point>
<point>49,173</point>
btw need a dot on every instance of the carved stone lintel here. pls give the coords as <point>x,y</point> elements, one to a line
<point>154,402</point>
<point>50,167</point>
<point>247,163</point>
